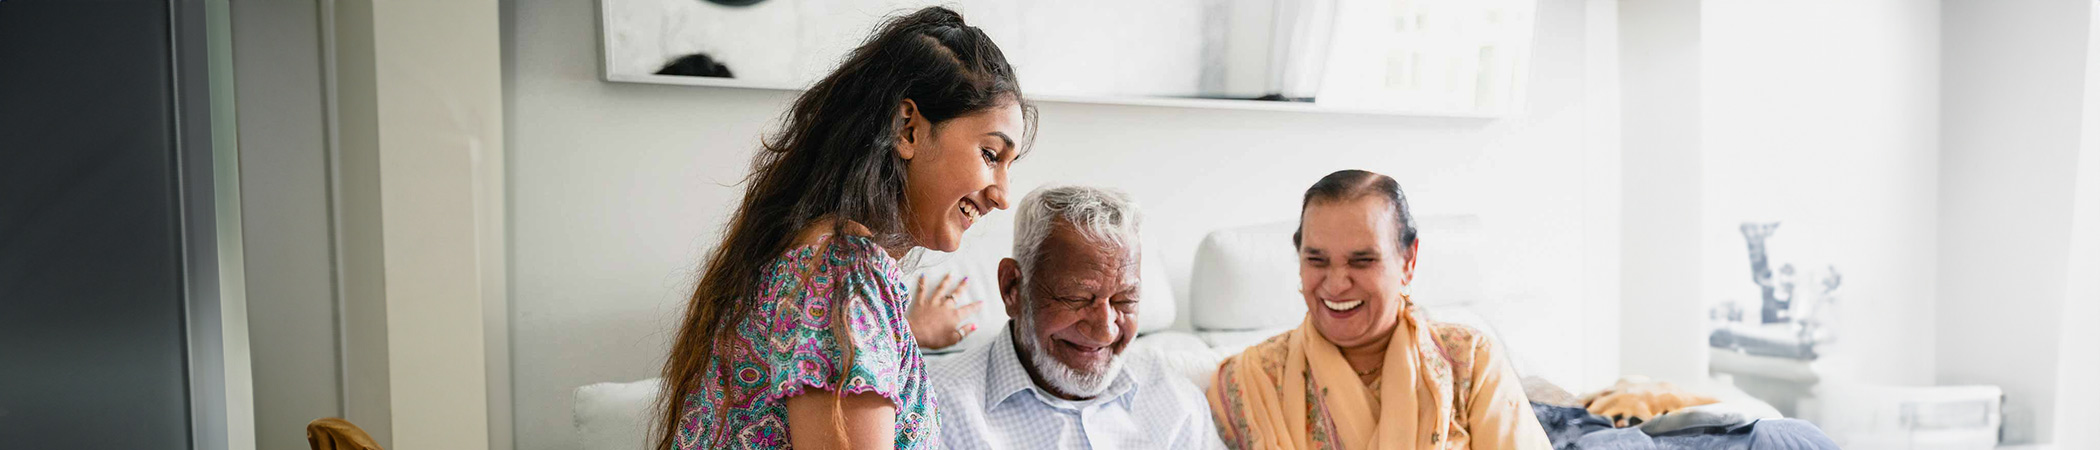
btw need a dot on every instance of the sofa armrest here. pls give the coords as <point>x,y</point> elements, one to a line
<point>615,416</point>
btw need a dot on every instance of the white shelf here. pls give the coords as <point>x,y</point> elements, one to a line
<point>1163,102</point>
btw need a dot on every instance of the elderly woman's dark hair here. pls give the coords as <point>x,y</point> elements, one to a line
<point>1350,184</point>
<point>834,158</point>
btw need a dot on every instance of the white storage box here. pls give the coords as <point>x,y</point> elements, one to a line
<point>1910,418</point>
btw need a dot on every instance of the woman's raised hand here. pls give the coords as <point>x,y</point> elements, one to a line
<point>937,318</point>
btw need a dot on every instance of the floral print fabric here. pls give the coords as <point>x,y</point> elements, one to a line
<point>786,346</point>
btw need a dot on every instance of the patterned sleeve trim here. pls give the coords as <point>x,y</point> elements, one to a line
<point>803,349</point>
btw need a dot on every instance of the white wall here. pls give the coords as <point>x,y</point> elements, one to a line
<point>1829,127</point>
<point>616,189</point>
<point>421,131</point>
<point>2080,364</point>
<point>1659,333</point>
<point>1603,192</point>
<point>2013,78</point>
<point>1927,151</point>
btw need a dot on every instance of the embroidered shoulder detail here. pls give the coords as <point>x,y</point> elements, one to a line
<point>1458,341</point>
<point>1270,354</point>
<point>1461,344</point>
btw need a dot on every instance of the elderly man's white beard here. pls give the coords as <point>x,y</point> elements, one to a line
<point>1066,379</point>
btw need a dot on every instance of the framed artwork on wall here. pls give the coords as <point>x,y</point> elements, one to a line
<point>1408,57</point>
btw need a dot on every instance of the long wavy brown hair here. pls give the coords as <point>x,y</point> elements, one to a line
<point>833,159</point>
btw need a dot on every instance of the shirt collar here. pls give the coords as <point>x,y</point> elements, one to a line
<point>1005,378</point>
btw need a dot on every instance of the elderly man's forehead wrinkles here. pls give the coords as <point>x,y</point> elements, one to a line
<point>1091,276</point>
<point>1075,282</point>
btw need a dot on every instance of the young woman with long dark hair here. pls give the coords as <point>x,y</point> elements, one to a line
<point>796,335</point>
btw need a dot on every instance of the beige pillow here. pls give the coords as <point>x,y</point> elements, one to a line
<point>1538,390</point>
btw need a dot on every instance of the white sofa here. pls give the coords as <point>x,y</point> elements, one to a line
<point>1243,289</point>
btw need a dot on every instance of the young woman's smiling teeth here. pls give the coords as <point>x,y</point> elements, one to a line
<point>969,210</point>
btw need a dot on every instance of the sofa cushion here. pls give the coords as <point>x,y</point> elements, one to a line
<point>1246,279</point>
<point>615,416</point>
<point>1181,353</point>
<point>1232,342</point>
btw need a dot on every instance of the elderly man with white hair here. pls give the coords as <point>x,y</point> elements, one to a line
<point>1057,376</point>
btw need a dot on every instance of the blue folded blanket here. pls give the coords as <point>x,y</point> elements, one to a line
<point>1574,428</point>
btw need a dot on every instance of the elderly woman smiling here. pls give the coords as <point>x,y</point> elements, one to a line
<point>1365,371</point>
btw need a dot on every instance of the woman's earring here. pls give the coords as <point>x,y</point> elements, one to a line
<point>1407,291</point>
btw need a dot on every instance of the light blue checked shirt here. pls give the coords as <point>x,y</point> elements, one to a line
<point>987,401</point>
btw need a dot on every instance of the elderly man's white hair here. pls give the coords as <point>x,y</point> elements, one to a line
<point>1101,214</point>
<point>1105,216</point>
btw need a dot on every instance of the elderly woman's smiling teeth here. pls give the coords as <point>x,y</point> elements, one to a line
<point>1342,306</point>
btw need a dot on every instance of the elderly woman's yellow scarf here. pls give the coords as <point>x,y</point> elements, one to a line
<point>1415,410</point>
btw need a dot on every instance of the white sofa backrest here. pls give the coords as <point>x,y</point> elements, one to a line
<point>1245,279</point>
